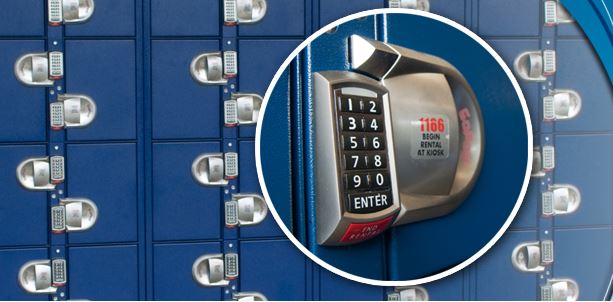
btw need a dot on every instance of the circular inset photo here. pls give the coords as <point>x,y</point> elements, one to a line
<point>395,147</point>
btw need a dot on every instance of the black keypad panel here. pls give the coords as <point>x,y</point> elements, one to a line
<point>363,150</point>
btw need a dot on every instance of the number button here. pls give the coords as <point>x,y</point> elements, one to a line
<point>355,162</point>
<point>351,123</point>
<point>377,161</point>
<point>372,106</point>
<point>350,104</point>
<point>376,142</point>
<point>380,180</point>
<point>374,125</point>
<point>356,181</point>
<point>353,142</point>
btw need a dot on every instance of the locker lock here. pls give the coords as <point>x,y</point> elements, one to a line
<point>535,66</point>
<point>543,160</point>
<point>243,11</point>
<point>40,69</point>
<point>397,141</point>
<point>561,105</point>
<point>215,169</point>
<point>245,210</point>
<point>560,289</point>
<point>42,173</point>
<point>70,11</point>
<point>73,215</point>
<point>533,256</point>
<point>412,293</point>
<point>248,296</point>
<point>242,109</point>
<point>43,276</point>
<point>560,200</point>
<point>215,269</point>
<point>214,68</point>
<point>423,5</point>
<point>72,111</point>
<point>555,13</point>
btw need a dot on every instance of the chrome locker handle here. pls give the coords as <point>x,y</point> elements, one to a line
<point>41,173</point>
<point>535,66</point>
<point>34,69</point>
<point>214,68</point>
<point>248,296</point>
<point>244,11</point>
<point>245,210</point>
<point>423,5</point>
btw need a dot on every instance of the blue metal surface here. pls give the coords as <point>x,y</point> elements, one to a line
<point>112,18</point>
<point>185,17</point>
<point>10,261</point>
<point>22,18</point>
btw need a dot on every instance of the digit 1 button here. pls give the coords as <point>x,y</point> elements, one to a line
<point>349,104</point>
<point>377,161</point>
<point>380,180</point>
<point>374,125</point>
<point>356,181</point>
<point>351,123</point>
<point>355,162</point>
<point>376,142</point>
<point>353,142</point>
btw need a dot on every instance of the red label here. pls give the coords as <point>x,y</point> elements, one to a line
<point>364,231</point>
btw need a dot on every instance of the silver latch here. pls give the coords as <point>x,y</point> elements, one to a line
<point>543,160</point>
<point>70,11</point>
<point>40,69</point>
<point>561,105</point>
<point>533,256</point>
<point>535,66</point>
<point>43,276</point>
<point>72,111</point>
<point>214,68</point>
<point>243,11</point>
<point>73,215</point>
<point>560,200</point>
<point>215,269</point>
<point>248,296</point>
<point>42,173</point>
<point>411,293</point>
<point>560,289</point>
<point>423,5</point>
<point>555,13</point>
<point>245,210</point>
<point>242,109</point>
<point>215,169</point>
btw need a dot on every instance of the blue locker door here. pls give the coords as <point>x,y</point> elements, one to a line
<point>185,17</point>
<point>498,279</point>
<point>182,208</point>
<point>106,174</point>
<point>106,71</point>
<point>452,9</point>
<point>22,18</point>
<point>249,184</point>
<point>509,18</point>
<point>333,287</point>
<point>331,10</point>
<point>26,120</point>
<point>451,288</point>
<point>527,216</point>
<point>10,262</point>
<point>23,212</point>
<point>182,108</point>
<point>283,18</point>
<point>103,273</point>
<point>258,63</point>
<point>172,272</point>
<point>579,69</point>
<point>111,18</point>
<point>275,268</point>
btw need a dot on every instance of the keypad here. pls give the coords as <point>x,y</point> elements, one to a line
<point>231,208</point>
<point>231,265</point>
<point>59,272</point>
<point>58,219</point>
<point>57,169</point>
<point>363,145</point>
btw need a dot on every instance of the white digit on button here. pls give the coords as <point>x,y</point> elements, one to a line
<point>380,179</point>
<point>354,142</point>
<point>352,124</point>
<point>378,161</point>
<point>357,181</point>
<point>373,107</point>
<point>375,143</point>
<point>356,160</point>
<point>350,104</point>
<point>374,125</point>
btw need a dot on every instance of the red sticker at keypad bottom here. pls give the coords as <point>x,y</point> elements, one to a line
<point>364,231</point>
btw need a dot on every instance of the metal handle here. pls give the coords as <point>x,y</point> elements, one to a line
<point>33,69</point>
<point>412,293</point>
<point>561,199</point>
<point>245,210</point>
<point>215,269</point>
<point>535,66</point>
<point>543,160</point>
<point>561,104</point>
<point>214,68</point>
<point>77,11</point>
<point>81,214</point>
<point>37,277</point>
<point>242,109</point>
<point>244,11</point>
<point>423,5</point>
<point>555,13</point>
<point>215,169</point>
<point>533,256</point>
<point>248,296</point>
<point>72,111</point>
<point>35,174</point>
<point>560,289</point>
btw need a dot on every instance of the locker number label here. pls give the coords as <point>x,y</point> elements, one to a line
<point>430,137</point>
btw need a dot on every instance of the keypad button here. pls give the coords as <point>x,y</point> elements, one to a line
<point>351,123</point>
<point>375,143</point>
<point>354,142</point>
<point>369,202</point>
<point>356,181</point>
<point>350,104</point>
<point>356,161</point>
<point>380,180</point>
<point>377,161</point>
<point>372,106</point>
<point>374,125</point>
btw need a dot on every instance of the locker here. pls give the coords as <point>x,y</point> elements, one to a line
<point>596,192</point>
<point>509,18</point>
<point>114,266</point>
<point>259,61</point>
<point>454,10</point>
<point>283,18</point>
<point>182,108</point>
<point>185,17</point>
<point>249,184</point>
<point>450,288</point>
<point>285,276</point>
<point>496,278</point>
<point>26,120</point>
<point>20,207</point>
<point>105,70</point>
<point>570,30</point>
<point>111,18</point>
<point>106,174</point>
<point>527,216</point>
<point>22,18</point>
<point>178,197</point>
<point>331,10</point>
<point>11,261</point>
<point>172,271</point>
<point>336,288</point>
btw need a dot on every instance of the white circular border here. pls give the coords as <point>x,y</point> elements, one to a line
<point>321,262</point>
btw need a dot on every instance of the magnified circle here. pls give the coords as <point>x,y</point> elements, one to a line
<point>394,147</point>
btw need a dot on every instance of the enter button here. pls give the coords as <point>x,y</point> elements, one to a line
<point>370,202</point>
